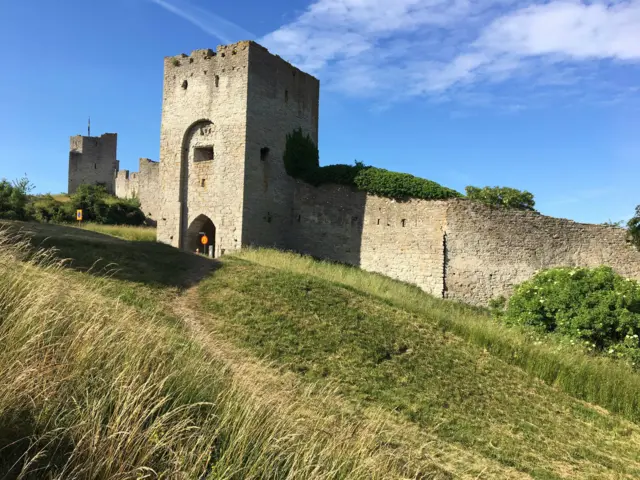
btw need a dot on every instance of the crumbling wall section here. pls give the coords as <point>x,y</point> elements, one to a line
<point>492,249</point>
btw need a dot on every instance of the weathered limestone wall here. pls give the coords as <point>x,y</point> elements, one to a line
<point>127,185</point>
<point>143,185</point>
<point>456,249</point>
<point>490,250</point>
<point>92,160</point>
<point>281,98</point>
<point>403,240</point>
<point>204,106</point>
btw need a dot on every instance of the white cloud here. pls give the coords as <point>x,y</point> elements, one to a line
<point>226,31</point>
<point>571,29</point>
<point>392,50</point>
<point>395,49</point>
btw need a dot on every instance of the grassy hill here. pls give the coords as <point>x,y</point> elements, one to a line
<point>132,358</point>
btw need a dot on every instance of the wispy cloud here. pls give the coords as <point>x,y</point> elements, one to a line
<point>520,52</point>
<point>441,48</point>
<point>209,22</point>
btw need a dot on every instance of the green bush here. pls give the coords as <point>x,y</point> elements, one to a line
<point>14,198</point>
<point>596,307</point>
<point>384,183</point>
<point>301,156</point>
<point>47,209</point>
<point>634,228</point>
<point>340,174</point>
<point>99,207</point>
<point>502,197</point>
<point>124,212</point>
<point>302,161</point>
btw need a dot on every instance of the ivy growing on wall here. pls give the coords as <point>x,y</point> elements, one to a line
<point>301,156</point>
<point>301,160</point>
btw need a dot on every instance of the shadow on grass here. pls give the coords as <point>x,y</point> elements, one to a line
<point>103,255</point>
<point>22,444</point>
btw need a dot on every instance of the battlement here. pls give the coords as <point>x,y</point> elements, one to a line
<point>227,52</point>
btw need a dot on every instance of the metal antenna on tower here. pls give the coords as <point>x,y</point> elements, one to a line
<point>89,128</point>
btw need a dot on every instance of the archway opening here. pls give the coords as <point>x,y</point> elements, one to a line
<point>202,228</point>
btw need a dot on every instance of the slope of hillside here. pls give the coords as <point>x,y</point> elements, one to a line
<point>312,371</point>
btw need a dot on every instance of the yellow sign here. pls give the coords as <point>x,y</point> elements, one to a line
<point>204,240</point>
<point>79,215</point>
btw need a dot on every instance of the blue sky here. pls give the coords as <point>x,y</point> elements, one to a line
<point>542,96</point>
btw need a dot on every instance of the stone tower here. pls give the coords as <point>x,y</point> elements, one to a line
<point>225,118</point>
<point>92,160</point>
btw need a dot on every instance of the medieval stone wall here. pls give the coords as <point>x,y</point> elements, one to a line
<point>490,250</point>
<point>456,249</point>
<point>92,160</point>
<point>403,240</point>
<point>143,185</point>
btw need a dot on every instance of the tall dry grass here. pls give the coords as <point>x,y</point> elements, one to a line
<point>92,389</point>
<point>610,384</point>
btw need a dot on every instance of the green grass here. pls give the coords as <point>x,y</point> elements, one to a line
<point>125,232</point>
<point>360,366</point>
<point>405,362</point>
<point>613,385</point>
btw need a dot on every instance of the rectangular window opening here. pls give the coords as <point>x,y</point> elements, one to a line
<point>203,154</point>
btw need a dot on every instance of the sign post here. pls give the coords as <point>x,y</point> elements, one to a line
<point>79,215</point>
<point>204,240</point>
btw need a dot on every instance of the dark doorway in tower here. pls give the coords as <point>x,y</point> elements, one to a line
<point>202,228</point>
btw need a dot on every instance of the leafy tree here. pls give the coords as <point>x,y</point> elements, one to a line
<point>14,198</point>
<point>502,197</point>
<point>634,228</point>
